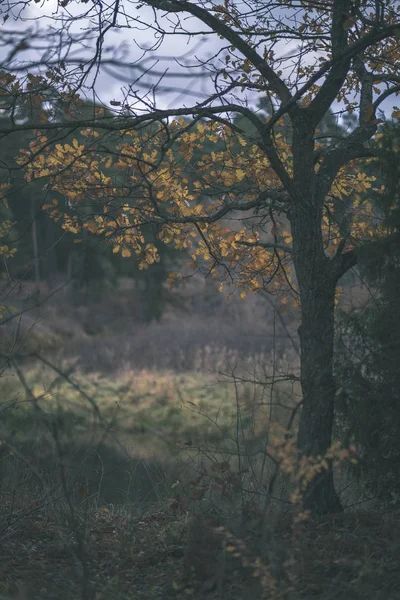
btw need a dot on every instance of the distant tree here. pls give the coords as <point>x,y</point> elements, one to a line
<point>368,347</point>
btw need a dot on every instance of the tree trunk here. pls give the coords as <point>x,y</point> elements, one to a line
<point>318,387</point>
<point>154,291</point>
<point>50,266</point>
<point>35,247</point>
<point>317,297</point>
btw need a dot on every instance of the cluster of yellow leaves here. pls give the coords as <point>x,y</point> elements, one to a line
<point>146,182</point>
<point>282,448</point>
<point>146,179</point>
<point>303,469</point>
<point>351,182</point>
<point>350,190</point>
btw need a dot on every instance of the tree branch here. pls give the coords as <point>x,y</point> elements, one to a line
<point>216,25</point>
<point>340,63</point>
<point>389,92</point>
<point>268,246</point>
<point>343,262</point>
<point>371,38</point>
<point>352,147</point>
<point>127,123</point>
<point>226,208</point>
<point>366,94</point>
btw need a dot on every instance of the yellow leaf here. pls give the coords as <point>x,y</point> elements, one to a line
<point>70,227</point>
<point>126,252</point>
<point>116,249</point>
<point>247,66</point>
<point>287,237</point>
<point>348,24</point>
<point>240,174</point>
<point>396,114</point>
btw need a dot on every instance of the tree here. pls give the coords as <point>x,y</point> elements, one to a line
<point>367,358</point>
<point>342,53</point>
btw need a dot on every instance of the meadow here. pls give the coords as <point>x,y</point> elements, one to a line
<point>138,462</point>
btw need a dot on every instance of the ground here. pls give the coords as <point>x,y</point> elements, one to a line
<point>128,557</point>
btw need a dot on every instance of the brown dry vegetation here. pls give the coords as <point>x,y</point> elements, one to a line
<point>164,554</point>
<point>143,473</point>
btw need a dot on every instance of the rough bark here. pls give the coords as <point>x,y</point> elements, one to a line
<point>317,284</point>
<point>318,387</point>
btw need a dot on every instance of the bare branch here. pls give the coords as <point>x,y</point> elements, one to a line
<point>268,246</point>
<point>275,82</point>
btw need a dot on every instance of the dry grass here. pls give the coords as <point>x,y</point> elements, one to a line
<point>143,474</point>
<point>154,556</point>
<point>192,524</point>
<point>148,420</point>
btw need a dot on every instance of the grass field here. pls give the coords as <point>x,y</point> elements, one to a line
<point>126,482</point>
<point>129,499</point>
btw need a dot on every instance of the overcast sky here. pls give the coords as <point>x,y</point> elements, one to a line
<point>184,90</point>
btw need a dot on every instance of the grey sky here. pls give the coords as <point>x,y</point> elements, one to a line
<point>175,52</point>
